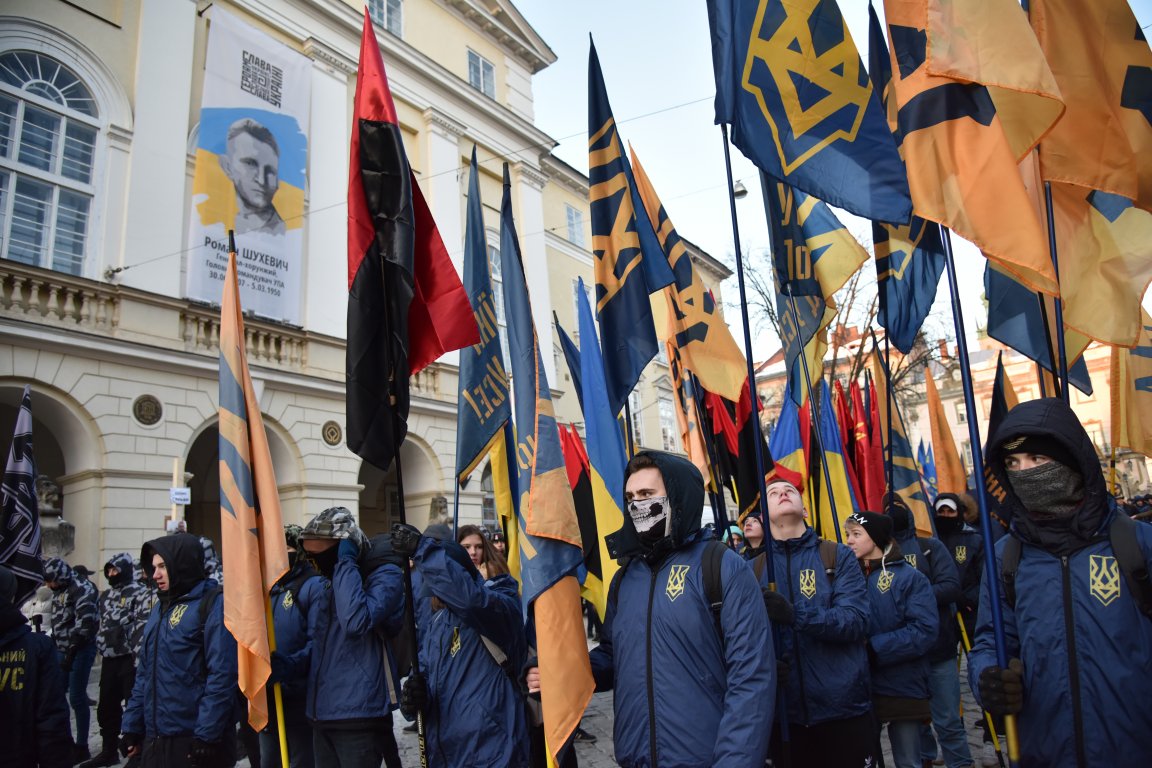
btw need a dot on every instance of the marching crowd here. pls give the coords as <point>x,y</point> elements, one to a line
<point>772,646</point>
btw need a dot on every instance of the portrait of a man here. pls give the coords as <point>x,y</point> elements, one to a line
<point>251,162</point>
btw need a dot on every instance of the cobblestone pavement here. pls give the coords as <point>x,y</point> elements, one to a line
<point>597,721</point>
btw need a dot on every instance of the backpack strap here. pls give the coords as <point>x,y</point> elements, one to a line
<point>501,660</point>
<point>759,563</point>
<point>1126,548</point>
<point>713,582</point>
<point>828,558</point>
<point>297,584</point>
<point>1009,564</point>
<point>207,601</point>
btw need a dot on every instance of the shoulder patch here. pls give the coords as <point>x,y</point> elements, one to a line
<point>911,559</point>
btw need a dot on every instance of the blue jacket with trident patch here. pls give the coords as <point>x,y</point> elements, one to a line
<point>1075,626</point>
<point>685,696</point>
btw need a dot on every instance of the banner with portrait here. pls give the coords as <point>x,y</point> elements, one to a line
<point>251,163</point>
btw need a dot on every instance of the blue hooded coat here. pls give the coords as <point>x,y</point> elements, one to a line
<point>825,645</point>
<point>1081,637</point>
<point>684,696</point>
<point>475,714</point>
<point>186,670</point>
<point>301,602</point>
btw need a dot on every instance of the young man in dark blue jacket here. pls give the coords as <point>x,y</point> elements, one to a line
<point>353,685</point>
<point>182,708</point>
<point>902,622</point>
<point>929,556</point>
<point>1078,676</point>
<point>74,622</point>
<point>821,612</point>
<point>33,709</point>
<point>301,604</point>
<point>691,689</point>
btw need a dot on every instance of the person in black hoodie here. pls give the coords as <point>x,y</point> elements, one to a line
<point>32,704</point>
<point>182,708</point>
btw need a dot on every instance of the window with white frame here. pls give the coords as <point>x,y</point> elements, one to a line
<point>48,131</point>
<point>481,74</point>
<point>669,431</point>
<point>575,218</point>
<point>636,406</point>
<point>387,13</point>
<point>497,279</point>
<point>488,514</point>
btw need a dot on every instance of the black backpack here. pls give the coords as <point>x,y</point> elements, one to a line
<point>1125,547</point>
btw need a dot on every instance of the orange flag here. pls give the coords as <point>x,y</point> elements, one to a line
<point>254,552</point>
<point>950,476</point>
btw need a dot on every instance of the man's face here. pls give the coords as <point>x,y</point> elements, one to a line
<point>946,511</point>
<point>644,484</point>
<point>651,519</point>
<point>254,170</point>
<point>752,527</point>
<point>315,546</point>
<point>160,573</point>
<point>1015,462</point>
<point>784,501</point>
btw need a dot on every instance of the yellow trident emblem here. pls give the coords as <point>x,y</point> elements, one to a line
<point>808,583</point>
<point>1104,578</point>
<point>177,614</point>
<point>675,585</point>
<point>961,553</point>
<point>287,601</point>
<point>884,582</point>
<point>911,560</point>
<point>454,648</point>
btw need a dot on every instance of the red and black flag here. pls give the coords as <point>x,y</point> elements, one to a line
<point>735,433</point>
<point>406,304</point>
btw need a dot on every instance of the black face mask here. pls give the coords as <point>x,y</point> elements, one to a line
<point>325,561</point>
<point>949,524</point>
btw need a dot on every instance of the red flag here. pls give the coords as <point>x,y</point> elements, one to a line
<point>846,424</point>
<point>878,483</point>
<point>406,304</point>
<point>871,481</point>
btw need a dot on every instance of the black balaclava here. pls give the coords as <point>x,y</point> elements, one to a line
<point>1051,491</point>
<point>325,560</point>
<point>901,515</point>
<point>946,525</point>
<point>122,562</point>
<point>58,572</point>
<point>184,555</point>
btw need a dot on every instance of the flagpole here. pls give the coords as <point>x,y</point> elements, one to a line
<point>277,693</point>
<point>628,429</point>
<point>817,437</point>
<point>455,507</point>
<point>1058,302</point>
<point>755,415</point>
<point>991,573</point>
<point>889,399</point>
<point>715,489</point>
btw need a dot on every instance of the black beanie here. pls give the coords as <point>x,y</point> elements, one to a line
<point>1044,445</point>
<point>877,526</point>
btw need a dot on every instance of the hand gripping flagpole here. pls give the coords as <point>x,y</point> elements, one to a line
<point>781,702</point>
<point>991,573</point>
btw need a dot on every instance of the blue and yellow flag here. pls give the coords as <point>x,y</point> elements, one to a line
<point>927,470</point>
<point>484,402</point>
<point>909,257</point>
<point>251,528</point>
<point>547,528</point>
<point>813,255</point>
<point>787,446</point>
<point>1016,318</point>
<point>629,263</point>
<point>790,82</point>
<point>606,456</point>
<point>905,470</point>
<point>571,357</point>
<point>1132,392</point>
<point>828,525</point>
<point>689,317</point>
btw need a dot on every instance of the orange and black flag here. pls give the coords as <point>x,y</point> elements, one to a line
<point>691,316</point>
<point>251,528</point>
<point>1132,392</point>
<point>406,304</point>
<point>973,97</point>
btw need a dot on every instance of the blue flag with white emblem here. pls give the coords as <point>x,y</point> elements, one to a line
<point>790,82</point>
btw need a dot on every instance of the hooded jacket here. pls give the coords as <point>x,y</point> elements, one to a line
<point>902,623</point>
<point>186,670</point>
<point>352,662</point>
<point>475,713</point>
<point>301,607</point>
<point>124,609</point>
<point>1083,642</point>
<point>33,707</point>
<point>74,612</point>
<point>684,696</point>
<point>928,555</point>
<point>825,646</point>
<point>966,548</point>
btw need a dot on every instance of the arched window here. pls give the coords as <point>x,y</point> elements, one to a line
<point>48,131</point>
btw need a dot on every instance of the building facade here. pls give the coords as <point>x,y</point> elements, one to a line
<point>99,121</point>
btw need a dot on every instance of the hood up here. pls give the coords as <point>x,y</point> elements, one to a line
<point>685,487</point>
<point>184,556</point>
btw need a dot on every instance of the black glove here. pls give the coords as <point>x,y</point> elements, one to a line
<point>779,609</point>
<point>281,668</point>
<point>405,539</point>
<point>783,670</point>
<point>128,741</point>
<point>1002,690</point>
<point>414,696</point>
<point>204,754</point>
<point>69,657</point>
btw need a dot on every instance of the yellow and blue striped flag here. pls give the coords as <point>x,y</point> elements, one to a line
<point>905,470</point>
<point>251,529</point>
<point>547,529</point>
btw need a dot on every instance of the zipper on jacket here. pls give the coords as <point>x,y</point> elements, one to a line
<point>798,668</point>
<point>651,694</point>
<point>1073,666</point>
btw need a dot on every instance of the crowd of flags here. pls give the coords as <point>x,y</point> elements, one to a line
<point>941,131</point>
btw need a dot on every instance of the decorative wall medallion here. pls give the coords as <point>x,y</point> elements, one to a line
<point>147,410</point>
<point>331,433</point>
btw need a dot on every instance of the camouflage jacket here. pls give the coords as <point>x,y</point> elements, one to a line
<point>124,609</point>
<point>74,617</point>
